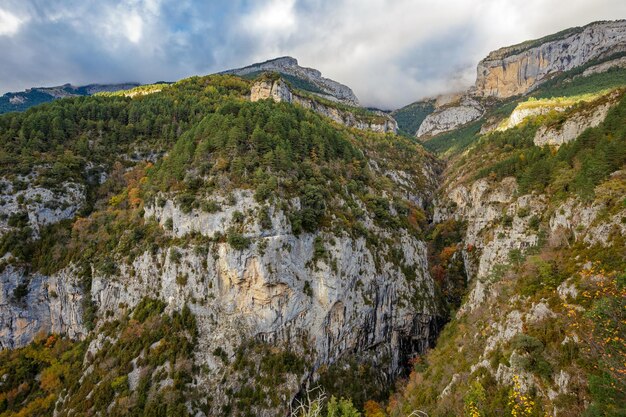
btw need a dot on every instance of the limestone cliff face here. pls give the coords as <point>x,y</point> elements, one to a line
<point>518,69</point>
<point>450,116</point>
<point>32,305</point>
<point>351,300</point>
<point>330,89</point>
<point>483,206</point>
<point>605,66</point>
<point>279,91</point>
<point>500,222</point>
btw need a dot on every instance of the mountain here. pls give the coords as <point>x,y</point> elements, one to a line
<point>538,184</point>
<point>275,88</point>
<point>33,96</point>
<point>307,79</point>
<point>520,69</point>
<point>243,246</point>
<point>193,237</point>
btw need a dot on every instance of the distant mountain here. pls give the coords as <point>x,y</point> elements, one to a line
<point>521,68</point>
<point>524,69</point>
<point>26,99</point>
<point>308,79</point>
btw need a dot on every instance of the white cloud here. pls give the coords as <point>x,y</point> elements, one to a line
<point>394,52</point>
<point>277,17</point>
<point>133,27</point>
<point>9,23</point>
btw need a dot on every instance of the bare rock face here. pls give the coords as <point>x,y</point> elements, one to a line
<point>518,69</point>
<point>605,66</point>
<point>33,305</point>
<point>276,288</point>
<point>279,91</point>
<point>520,114</point>
<point>350,300</point>
<point>450,116</point>
<point>330,89</point>
<point>484,205</point>
<point>572,127</point>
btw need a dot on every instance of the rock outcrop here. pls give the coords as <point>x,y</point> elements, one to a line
<point>278,90</point>
<point>495,225</point>
<point>36,305</point>
<point>605,66</point>
<point>328,88</point>
<point>573,126</point>
<point>450,115</point>
<point>522,113</point>
<point>518,69</point>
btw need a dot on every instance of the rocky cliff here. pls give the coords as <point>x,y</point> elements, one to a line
<point>278,90</point>
<point>518,69</point>
<point>573,127</point>
<point>324,87</point>
<point>541,240</point>
<point>449,115</point>
<point>278,291</point>
<point>35,305</point>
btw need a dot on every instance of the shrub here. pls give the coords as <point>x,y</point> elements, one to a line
<point>238,217</point>
<point>221,354</point>
<point>175,255</point>
<point>265,221</point>
<point>307,289</point>
<point>181,279</point>
<point>20,291</point>
<point>534,222</point>
<point>211,206</point>
<point>18,220</point>
<point>237,240</point>
<point>148,307</point>
<point>319,251</point>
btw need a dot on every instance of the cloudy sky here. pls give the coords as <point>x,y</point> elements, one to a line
<point>391,52</point>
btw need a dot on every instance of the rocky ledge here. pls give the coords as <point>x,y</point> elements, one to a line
<point>279,91</point>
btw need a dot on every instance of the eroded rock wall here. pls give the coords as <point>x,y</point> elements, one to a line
<point>516,70</point>
<point>279,91</point>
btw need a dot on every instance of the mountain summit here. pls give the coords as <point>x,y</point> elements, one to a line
<point>308,79</point>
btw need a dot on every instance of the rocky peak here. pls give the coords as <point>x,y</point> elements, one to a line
<point>311,78</point>
<point>451,111</point>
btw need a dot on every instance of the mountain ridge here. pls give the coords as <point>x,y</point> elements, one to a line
<point>327,88</point>
<point>23,100</point>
